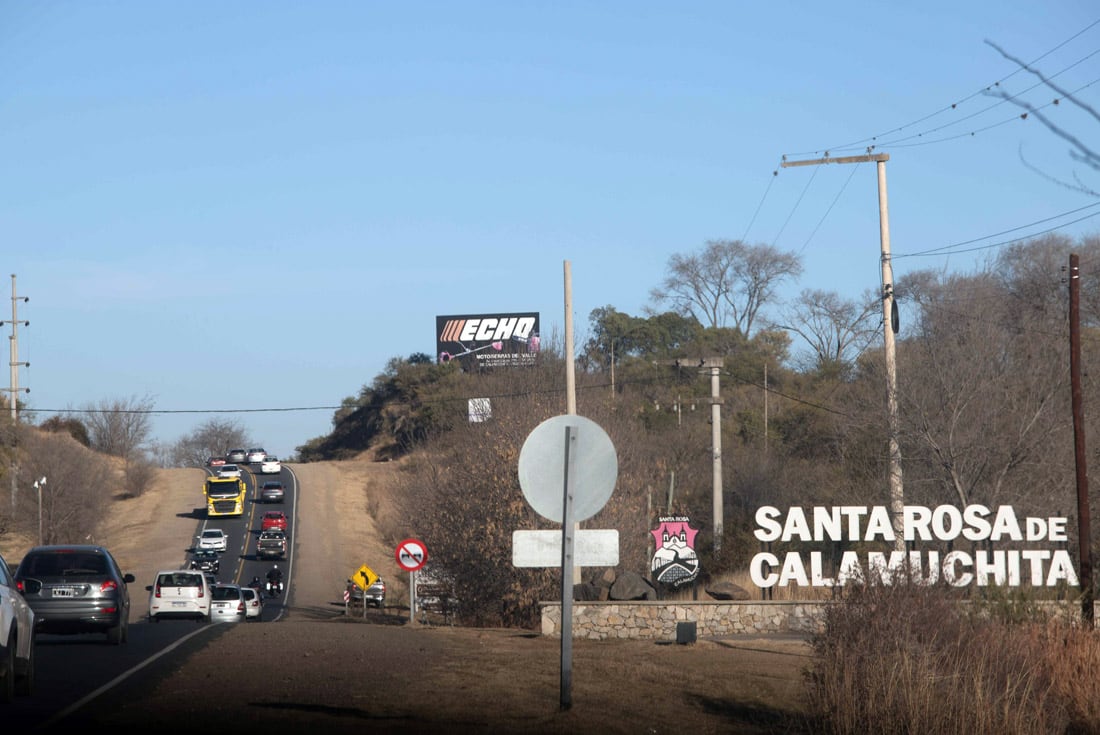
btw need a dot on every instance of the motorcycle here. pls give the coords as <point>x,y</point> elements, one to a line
<point>257,585</point>
<point>274,588</point>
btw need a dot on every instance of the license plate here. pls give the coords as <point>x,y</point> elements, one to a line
<point>63,592</point>
<point>179,604</point>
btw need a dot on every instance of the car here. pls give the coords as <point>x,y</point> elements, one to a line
<point>272,492</point>
<point>215,461</point>
<point>227,604</point>
<point>211,578</point>
<point>271,544</point>
<point>271,465</point>
<point>17,623</point>
<point>273,519</point>
<point>213,538</point>
<point>253,604</point>
<point>374,595</point>
<point>255,455</point>
<point>179,593</point>
<point>236,456</point>
<point>206,560</point>
<point>76,588</point>
<point>229,470</point>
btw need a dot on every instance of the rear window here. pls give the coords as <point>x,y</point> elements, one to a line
<point>180,579</point>
<point>225,593</point>
<point>64,564</point>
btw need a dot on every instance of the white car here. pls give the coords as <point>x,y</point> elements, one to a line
<point>256,455</point>
<point>229,470</point>
<point>253,604</point>
<point>227,604</point>
<point>214,538</point>
<point>179,593</point>
<point>271,466</point>
<point>16,630</point>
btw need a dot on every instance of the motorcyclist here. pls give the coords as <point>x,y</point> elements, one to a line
<point>275,578</point>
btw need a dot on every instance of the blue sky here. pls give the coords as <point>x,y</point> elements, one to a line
<point>255,205</point>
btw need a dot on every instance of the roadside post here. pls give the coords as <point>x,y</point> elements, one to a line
<point>567,470</point>
<point>363,578</point>
<point>411,555</point>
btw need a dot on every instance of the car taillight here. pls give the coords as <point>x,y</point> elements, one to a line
<point>240,607</point>
<point>19,586</point>
<point>156,592</point>
<point>109,585</point>
<point>202,592</point>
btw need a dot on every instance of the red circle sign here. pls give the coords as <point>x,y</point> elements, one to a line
<point>411,554</point>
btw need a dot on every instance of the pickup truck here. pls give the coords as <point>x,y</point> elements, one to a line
<point>271,545</point>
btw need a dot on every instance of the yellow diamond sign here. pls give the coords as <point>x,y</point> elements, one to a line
<point>364,577</point>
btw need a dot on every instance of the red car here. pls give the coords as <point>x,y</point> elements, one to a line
<point>273,519</point>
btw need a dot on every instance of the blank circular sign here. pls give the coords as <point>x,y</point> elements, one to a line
<point>542,468</point>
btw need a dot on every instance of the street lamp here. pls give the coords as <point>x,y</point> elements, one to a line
<point>38,485</point>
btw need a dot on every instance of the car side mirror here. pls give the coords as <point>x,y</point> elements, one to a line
<point>148,588</point>
<point>128,578</point>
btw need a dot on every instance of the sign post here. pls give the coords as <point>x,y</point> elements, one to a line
<point>568,481</point>
<point>411,555</point>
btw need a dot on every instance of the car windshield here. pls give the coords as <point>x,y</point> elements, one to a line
<point>64,564</point>
<point>212,534</point>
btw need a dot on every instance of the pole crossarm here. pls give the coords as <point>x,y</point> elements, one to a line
<point>873,158</point>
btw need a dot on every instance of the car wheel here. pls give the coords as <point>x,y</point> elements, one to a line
<point>7,658</point>
<point>24,683</point>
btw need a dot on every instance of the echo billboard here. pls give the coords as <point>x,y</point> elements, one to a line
<point>488,340</point>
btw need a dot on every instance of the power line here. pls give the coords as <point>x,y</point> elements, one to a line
<point>953,106</point>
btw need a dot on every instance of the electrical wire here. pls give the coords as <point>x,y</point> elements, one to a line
<point>954,105</point>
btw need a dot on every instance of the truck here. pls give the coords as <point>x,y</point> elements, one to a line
<point>271,545</point>
<point>224,496</point>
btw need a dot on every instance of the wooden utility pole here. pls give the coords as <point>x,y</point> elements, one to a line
<point>1084,533</point>
<point>889,329</point>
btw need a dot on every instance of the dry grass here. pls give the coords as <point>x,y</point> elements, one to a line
<point>911,659</point>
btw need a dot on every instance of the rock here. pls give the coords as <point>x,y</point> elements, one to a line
<point>632,586</point>
<point>727,591</point>
<point>586,592</point>
<point>606,579</point>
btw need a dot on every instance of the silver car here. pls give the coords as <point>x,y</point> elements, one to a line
<point>76,589</point>
<point>253,604</point>
<point>16,639</point>
<point>227,604</point>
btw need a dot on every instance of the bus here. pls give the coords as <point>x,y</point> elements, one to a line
<point>224,496</point>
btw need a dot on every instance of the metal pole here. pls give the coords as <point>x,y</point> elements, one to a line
<point>570,368</point>
<point>566,699</point>
<point>1084,533</point>
<point>412,598</point>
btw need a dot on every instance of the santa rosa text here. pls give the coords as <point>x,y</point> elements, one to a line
<point>1037,567</point>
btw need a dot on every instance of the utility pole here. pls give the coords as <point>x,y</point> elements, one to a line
<point>889,329</point>
<point>13,388</point>
<point>1084,532</point>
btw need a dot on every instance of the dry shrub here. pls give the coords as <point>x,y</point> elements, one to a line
<point>908,658</point>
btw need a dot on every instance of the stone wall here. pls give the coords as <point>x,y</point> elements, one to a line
<point>657,620</point>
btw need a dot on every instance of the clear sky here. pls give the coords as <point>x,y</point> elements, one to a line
<point>255,205</point>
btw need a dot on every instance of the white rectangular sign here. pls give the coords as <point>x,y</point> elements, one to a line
<point>591,548</point>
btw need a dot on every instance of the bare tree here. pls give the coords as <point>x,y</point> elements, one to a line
<point>211,438</point>
<point>119,427</point>
<point>73,498</point>
<point>727,283</point>
<point>836,329</point>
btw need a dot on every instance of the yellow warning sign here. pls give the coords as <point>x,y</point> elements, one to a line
<point>364,577</point>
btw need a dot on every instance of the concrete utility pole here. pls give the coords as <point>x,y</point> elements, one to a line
<point>889,329</point>
<point>713,366</point>
<point>13,388</point>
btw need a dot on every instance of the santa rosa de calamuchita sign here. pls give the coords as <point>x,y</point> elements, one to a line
<point>1039,559</point>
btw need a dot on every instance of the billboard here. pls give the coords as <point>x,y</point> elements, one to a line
<point>488,340</point>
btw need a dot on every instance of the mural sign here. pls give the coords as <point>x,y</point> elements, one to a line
<point>675,561</point>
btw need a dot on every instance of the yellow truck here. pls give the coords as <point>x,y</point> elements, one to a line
<point>224,496</point>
